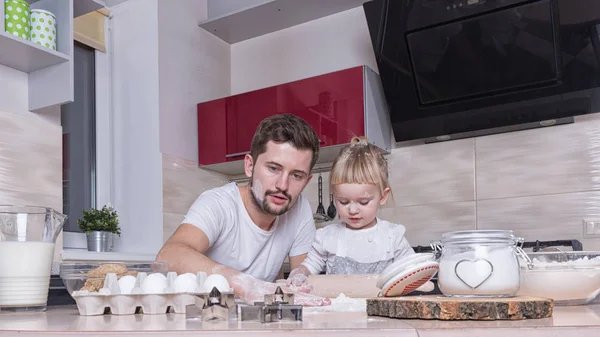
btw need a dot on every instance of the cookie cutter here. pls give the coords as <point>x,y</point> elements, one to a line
<point>214,305</point>
<point>278,306</point>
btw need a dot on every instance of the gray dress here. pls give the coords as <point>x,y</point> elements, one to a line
<point>338,250</point>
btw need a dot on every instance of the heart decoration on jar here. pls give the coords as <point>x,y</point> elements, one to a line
<point>473,273</point>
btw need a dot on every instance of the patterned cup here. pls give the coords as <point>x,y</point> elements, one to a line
<point>16,18</point>
<point>43,28</point>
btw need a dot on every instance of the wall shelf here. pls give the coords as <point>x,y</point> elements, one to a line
<point>267,16</point>
<point>50,72</point>
<point>27,56</point>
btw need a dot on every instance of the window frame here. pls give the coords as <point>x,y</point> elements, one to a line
<point>104,168</point>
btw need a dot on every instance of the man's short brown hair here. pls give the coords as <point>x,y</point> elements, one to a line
<point>285,128</point>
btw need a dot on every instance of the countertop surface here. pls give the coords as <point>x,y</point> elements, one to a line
<point>579,321</point>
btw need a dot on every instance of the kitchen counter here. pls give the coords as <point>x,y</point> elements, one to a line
<point>580,321</point>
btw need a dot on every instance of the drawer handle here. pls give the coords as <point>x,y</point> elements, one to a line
<point>237,154</point>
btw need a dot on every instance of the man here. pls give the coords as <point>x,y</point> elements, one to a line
<point>245,232</point>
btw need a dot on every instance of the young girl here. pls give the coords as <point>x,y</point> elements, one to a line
<point>361,243</point>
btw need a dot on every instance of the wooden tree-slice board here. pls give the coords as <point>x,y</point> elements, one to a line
<point>449,308</point>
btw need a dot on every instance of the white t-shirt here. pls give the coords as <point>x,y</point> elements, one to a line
<point>237,242</point>
<point>339,250</point>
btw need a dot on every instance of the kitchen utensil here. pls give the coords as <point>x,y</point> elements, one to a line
<point>451,308</point>
<point>331,211</point>
<point>569,278</point>
<point>213,305</point>
<point>352,286</point>
<point>320,215</point>
<point>278,306</point>
<point>27,238</point>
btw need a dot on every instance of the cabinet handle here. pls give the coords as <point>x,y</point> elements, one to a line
<point>236,154</point>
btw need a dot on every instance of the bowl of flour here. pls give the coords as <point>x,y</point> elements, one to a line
<point>569,278</point>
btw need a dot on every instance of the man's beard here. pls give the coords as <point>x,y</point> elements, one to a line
<point>263,205</point>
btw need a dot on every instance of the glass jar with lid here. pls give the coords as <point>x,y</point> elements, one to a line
<point>479,263</point>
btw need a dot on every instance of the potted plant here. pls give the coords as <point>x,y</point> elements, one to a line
<point>100,226</point>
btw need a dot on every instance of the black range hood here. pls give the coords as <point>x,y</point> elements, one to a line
<point>454,69</point>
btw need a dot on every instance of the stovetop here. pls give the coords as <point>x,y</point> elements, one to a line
<point>535,246</point>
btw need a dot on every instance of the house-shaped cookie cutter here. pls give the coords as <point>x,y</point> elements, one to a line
<point>213,305</point>
<point>276,307</point>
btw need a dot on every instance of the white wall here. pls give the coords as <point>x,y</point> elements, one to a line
<point>317,47</point>
<point>13,90</point>
<point>137,159</point>
<point>194,66</point>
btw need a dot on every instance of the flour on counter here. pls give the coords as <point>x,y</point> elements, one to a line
<point>342,303</point>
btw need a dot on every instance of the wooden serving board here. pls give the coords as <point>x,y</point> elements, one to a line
<point>449,308</point>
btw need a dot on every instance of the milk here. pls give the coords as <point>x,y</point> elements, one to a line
<point>25,273</point>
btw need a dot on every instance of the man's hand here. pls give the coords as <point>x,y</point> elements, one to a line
<point>251,289</point>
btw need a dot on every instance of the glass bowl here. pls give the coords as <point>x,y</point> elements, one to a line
<point>90,276</point>
<point>569,278</point>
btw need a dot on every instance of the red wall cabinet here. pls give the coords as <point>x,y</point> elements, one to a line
<point>337,105</point>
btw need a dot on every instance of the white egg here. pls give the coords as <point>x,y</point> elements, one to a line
<point>154,284</point>
<point>126,284</point>
<point>216,280</point>
<point>185,283</point>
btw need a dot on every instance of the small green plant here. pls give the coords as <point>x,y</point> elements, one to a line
<point>103,220</point>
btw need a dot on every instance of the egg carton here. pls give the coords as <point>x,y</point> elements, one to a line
<point>147,295</point>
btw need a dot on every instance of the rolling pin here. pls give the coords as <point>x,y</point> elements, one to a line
<point>355,286</point>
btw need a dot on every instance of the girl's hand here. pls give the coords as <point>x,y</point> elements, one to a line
<point>297,278</point>
<point>251,289</point>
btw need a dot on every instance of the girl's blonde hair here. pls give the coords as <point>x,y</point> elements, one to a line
<point>360,163</point>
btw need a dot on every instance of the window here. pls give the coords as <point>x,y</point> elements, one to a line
<point>78,120</point>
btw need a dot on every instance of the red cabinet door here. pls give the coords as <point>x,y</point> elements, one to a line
<point>212,143</point>
<point>333,104</point>
<point>244,114</point>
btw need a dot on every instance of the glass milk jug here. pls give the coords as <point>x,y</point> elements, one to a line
<point>27,238</point>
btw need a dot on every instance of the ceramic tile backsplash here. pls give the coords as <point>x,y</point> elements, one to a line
<point>8,197</point>
<point>425,223</point>
<point>432,173</point>
<point>559,159</point>
<point>30,155</point>
<point>170,223</point>
<point>183,182</point>
<point>546,217</point>
<point>30,163</point>
<point>541,183</point>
